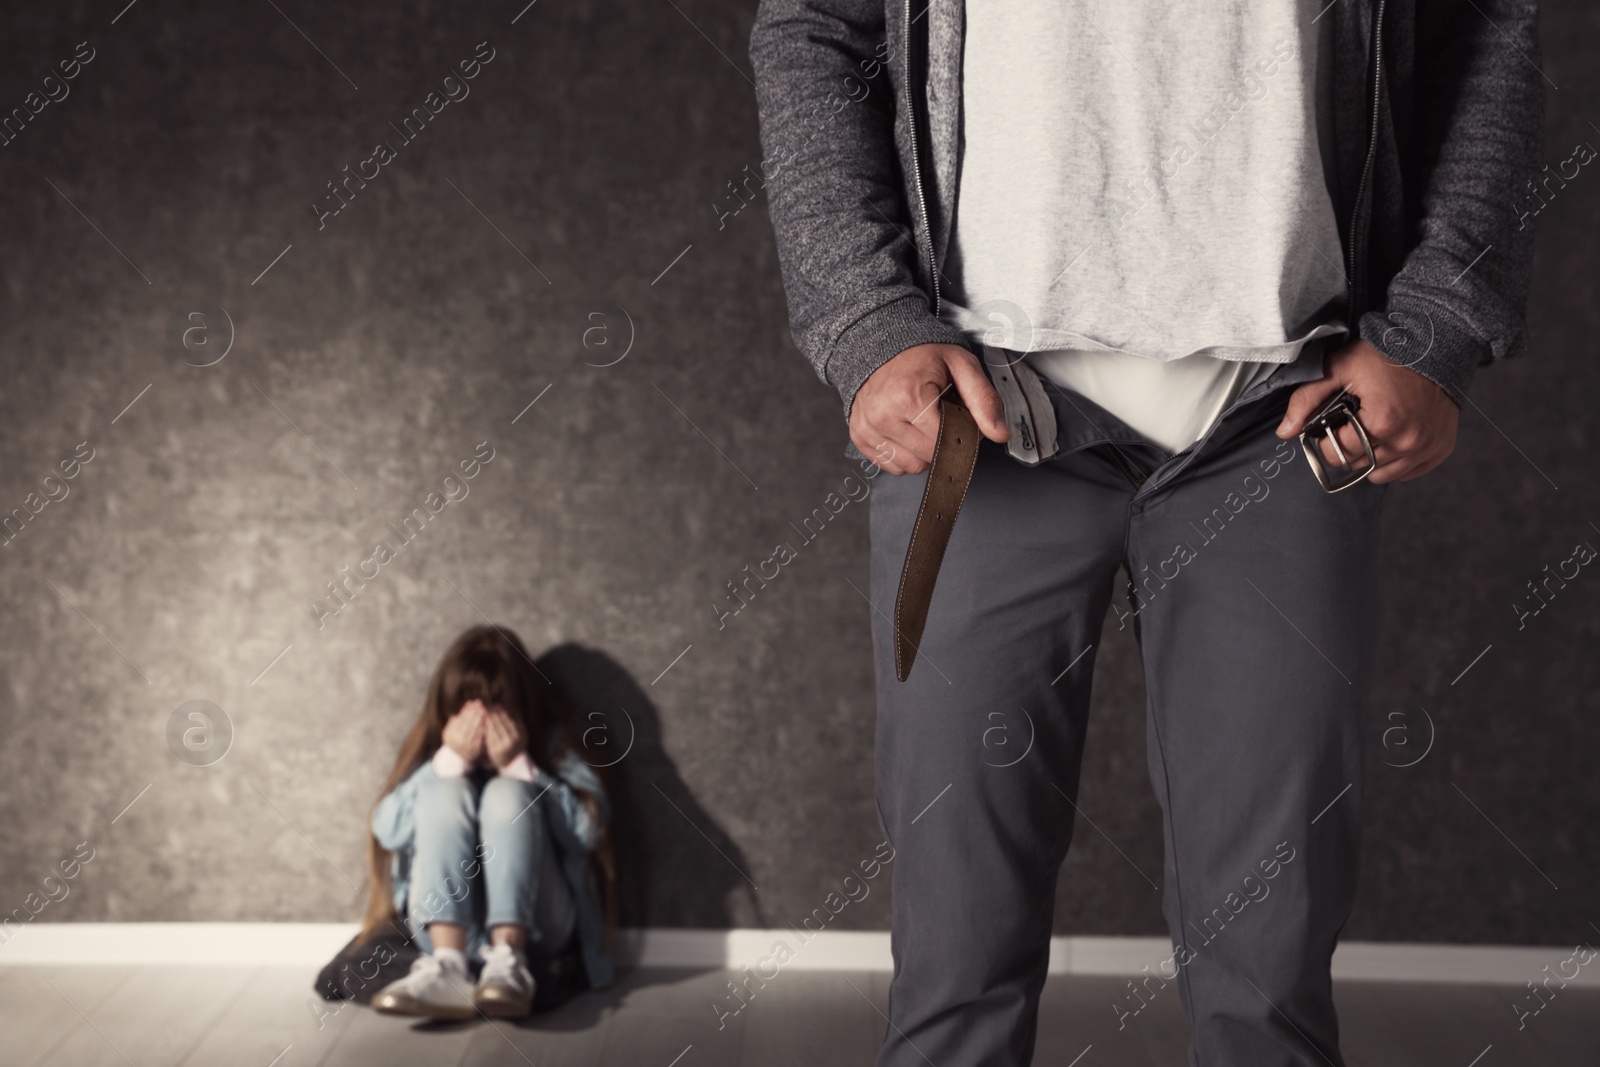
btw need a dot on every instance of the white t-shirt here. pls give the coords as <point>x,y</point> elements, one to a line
<point>1143,203</point>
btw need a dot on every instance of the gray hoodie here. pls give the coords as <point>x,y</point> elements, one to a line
<point>1439,118</point>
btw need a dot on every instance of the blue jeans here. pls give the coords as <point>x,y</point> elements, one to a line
<point>484,857</point>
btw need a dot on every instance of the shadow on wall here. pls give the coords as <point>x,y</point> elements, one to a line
<point>668,870</point>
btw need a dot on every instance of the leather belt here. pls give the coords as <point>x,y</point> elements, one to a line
<point>1031,419</point>
<point>1032,422</point>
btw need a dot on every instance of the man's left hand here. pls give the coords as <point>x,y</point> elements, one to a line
<point>1410,420</point>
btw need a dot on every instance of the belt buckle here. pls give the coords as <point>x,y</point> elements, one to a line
<point>1341,408</point>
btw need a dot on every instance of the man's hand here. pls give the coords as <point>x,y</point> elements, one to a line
<point>1411,421</point>
<point>895,417</point>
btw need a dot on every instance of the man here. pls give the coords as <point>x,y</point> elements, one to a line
<point>1172,231</point>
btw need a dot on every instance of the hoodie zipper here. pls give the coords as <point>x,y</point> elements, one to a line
<point>1357,226</point>
<point>916,163</point>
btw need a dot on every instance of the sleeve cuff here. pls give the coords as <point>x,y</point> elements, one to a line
<point>879,336</point>
<point>1430,341</point>
<point>521,768</point>
<point>447,763</point>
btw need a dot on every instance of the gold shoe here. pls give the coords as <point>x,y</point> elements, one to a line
<point>505,987</point>
<point>430,991</point>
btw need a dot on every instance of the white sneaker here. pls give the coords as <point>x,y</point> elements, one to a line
<point>432,989</point>
<point>505,986</point>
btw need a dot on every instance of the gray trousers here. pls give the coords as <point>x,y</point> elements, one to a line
<point>1253,597</point>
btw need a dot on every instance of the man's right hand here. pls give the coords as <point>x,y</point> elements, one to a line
<point>894,420</point>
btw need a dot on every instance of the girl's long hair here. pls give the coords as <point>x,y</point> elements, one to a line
<point>487,663</point>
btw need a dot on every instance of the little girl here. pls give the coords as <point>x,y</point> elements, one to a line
<point>487,837</point>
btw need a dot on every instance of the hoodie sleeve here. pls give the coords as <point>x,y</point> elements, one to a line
<point>1478,122</point>
<point>825,104</point>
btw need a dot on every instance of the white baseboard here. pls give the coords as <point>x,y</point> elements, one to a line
<point>182,944</point>
<point>313,944</point>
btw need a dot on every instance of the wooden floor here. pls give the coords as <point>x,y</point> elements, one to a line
<point>192,1016</point>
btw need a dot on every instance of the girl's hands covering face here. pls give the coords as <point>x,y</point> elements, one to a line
<point>502,737</point>
<point>465,730</point>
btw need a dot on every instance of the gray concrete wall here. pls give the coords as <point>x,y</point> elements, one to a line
<point>575,190</point>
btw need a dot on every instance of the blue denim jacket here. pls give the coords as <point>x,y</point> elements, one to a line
<point>573,830</point>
